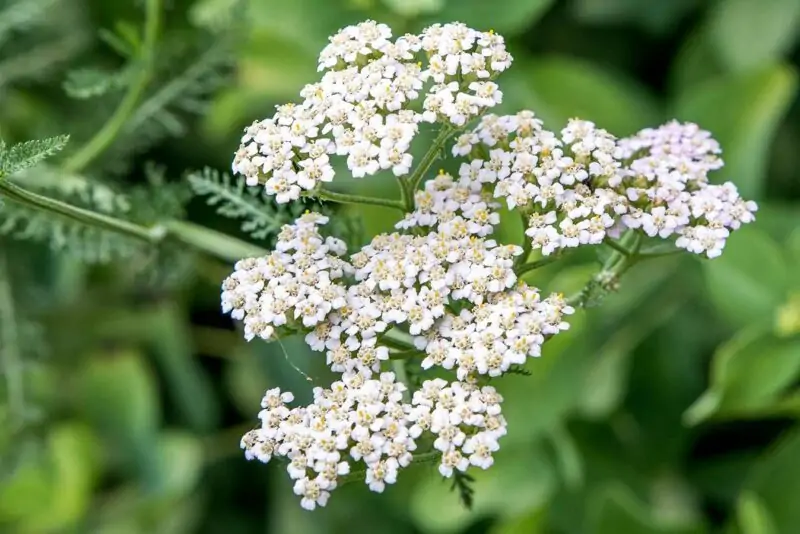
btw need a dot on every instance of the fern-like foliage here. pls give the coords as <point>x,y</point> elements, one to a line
<point>38,37</point>
<point>20,15</point>
<point>25,155</point>
<point>85,83</point>
<point>260,217</point>
<point>191,72</point>
<point>91,245</point>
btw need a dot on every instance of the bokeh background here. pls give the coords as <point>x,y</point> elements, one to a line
<point>670,409</point>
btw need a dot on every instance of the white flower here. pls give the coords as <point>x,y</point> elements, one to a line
<point>311,492</point>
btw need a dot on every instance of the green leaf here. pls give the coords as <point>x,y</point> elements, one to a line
<point>749,34</point>
<point>29,154</point>
<point>261,218</point>
<point>118,396</point>
<point>615,509</point>
<point>752,516</point>
<point>748,374</point>
<point>760,100</point>
<point>520,479</point>
<point>89,82</point>
<point>538,403</point>
<point>513,17</point>
<point>529,523</point>
<point>187,384</point>
<point>606,382</point>
<point>291,22</point>
<point>180,462</point>
<point>774,478</point>
<point>696,62</point>
<point>655,15</point>
<point>74,454</point>
<point>750,279</point>
<point>793,247</point>
<point>568,457</point>
<point>414,8</point>
<point>19,15</point>
<point>26,491</point>
<point>561,88</point>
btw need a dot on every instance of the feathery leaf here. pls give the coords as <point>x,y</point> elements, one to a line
<point>260,217</point>
<point>25,155</point>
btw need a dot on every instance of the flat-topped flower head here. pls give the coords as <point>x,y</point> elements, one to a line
<point>373,93</point>
<point>440,294</point>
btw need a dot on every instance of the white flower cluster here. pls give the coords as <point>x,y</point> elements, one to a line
<point>579,186</point>
<point>666,182</point>
<point>547,177</point>
<point>408,280</point>
<point>361,420</point>
<point>361,109</point>
<point>466,420</point>
<point>456,208</point>
<point>439,291</point>
<point>295,285</point>
<point>494,335</point>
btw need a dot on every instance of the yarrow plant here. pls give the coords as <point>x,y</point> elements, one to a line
<point>439,292</point>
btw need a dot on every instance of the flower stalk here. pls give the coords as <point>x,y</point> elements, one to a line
<point>115,124</point>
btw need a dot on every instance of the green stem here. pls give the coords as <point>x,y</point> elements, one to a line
<point>9,349</point>
<point>84,216</point>
<point>432,155</point>
<point>209,241</point>
<point>343,198</point>
<point>651,255</point>
<point>401,375</point>
<point>106,135</point>
<point>527,245</point>
<point>616,246</point>
<point>404,354</point>
<point>397,339</point>
<point>526,267</point>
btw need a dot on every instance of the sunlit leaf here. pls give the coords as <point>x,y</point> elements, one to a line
<point>749,280</point>
<point>510,18</point>
<point>749,34</point>
<point>776,475</point>
<point>619,511</point>
<point>561,88</point>
<point>520,479</point>
<point>752,515</point>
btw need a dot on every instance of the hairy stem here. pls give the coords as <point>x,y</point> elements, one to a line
<point>81,215</point>
<point>9,349</point>
<point>343,198</point>
<point>209,241</point>
<point>106,135</point>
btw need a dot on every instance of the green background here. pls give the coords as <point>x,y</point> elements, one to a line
<point>670,409</point>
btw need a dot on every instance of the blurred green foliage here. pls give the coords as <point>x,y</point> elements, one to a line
<point>671,409</point>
